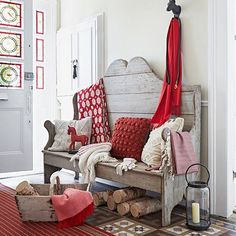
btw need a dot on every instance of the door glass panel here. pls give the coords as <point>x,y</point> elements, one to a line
<point>40,50</point>
<point>10,44</point>
<point>10,75</point>
<point>11,14</point>
<point>39,77</point>
<point>39,22</point>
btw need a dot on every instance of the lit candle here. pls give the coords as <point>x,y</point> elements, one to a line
<point>195,213</point>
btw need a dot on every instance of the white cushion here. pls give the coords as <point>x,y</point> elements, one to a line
<point>151,154</point>
<point>62,140</point>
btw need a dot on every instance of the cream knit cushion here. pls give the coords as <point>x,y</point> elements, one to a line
<point>62,140</point>
<point>151,154</point>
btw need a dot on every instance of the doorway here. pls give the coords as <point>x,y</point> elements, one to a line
<point>28,32</point>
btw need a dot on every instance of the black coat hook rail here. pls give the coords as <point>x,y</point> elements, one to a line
<point>176,9</point>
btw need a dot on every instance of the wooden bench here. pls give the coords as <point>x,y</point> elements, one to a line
<point>133,90</point>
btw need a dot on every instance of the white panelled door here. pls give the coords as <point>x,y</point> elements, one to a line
<point>80,46</point>
<point>16,58</point>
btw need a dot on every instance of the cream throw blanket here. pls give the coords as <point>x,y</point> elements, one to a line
<point>89,156</point>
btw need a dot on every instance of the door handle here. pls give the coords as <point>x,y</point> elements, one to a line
<point>28,103</point>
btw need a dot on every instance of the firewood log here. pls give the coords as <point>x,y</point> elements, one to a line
<point>106,194</point>
<point>123,195</point>
<point>24,188</point>
<point>111,204</point>
<point>124,207</point>
<point>145,207</point>
<point>98,199</point>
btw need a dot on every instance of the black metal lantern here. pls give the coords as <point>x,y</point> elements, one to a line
<point>197,202</point>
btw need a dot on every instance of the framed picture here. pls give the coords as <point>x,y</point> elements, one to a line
<point>11,75</point>
<point>10,44</point>
<point>39,22</point>
<point>39,77</point>
<point>11,14</point>
<point>40,50</point>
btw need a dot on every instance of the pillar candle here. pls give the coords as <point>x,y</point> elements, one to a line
<point>195,213</point>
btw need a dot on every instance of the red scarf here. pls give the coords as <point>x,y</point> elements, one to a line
<point>170,98</point>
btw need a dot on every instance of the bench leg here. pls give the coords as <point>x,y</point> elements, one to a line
<point>167,207</point>
<point>48,171</point>
<point>172,195</point>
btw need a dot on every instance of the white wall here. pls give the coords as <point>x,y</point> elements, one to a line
<point>231,116</point>
<point>139,28</point>
<point>222,153</point>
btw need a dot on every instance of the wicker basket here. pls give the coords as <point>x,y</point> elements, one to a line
<point>39,208</point>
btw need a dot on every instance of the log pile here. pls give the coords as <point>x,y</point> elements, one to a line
<point>128,201</point>
<point>145,207</point>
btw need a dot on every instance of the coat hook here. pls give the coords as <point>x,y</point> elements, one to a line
<point>176,9</point>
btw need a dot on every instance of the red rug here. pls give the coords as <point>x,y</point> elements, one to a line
<point>11,225</point>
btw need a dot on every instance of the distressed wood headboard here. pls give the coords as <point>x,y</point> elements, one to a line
<point>133,90</point>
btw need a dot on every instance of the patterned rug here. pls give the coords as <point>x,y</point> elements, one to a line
<point>150,225</point>
<point>10,224</point>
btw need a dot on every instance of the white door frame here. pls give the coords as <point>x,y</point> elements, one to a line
<point>231,122</point>
<point>219,159</point>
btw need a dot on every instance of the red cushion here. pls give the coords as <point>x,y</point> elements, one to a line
<point>129,137</point>
<point>92,102</point>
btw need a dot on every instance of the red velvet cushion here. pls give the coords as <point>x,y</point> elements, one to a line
<point>129,137</point>
<point>92,102</point>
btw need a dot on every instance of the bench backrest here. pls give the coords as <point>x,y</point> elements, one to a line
<point>133,90</point>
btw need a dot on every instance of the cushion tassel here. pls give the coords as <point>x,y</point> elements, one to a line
<point>77,219</point>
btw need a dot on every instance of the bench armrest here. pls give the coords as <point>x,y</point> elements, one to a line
<point>50,127</point>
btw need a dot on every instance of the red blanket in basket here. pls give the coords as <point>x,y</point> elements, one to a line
<point>72,207</point>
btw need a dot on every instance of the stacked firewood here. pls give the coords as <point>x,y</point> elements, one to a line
<point>127,201</point>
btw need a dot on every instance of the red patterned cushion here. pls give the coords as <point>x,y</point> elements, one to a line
<point>92,102</point>
<point>129,137</point>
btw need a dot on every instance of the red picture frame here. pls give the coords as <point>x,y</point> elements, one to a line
<point>20,15</point>
<point>13,33</point>
<point>39,29</point>
<point>20,86</point>
<point>40,50</point>
<point>39,81</point>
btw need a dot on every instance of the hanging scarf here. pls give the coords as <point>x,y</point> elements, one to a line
<point>170,98</point>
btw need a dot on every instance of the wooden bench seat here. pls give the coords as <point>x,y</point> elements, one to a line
<point>133,90</point>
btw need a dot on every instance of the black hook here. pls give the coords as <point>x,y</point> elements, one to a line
<point>176,9</point>
<point>75,68</point>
